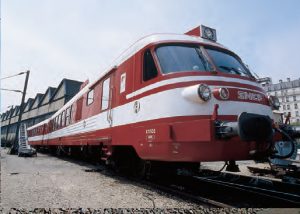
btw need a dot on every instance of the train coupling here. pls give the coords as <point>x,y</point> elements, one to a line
<point>292,131</point>
<point>249,127</point>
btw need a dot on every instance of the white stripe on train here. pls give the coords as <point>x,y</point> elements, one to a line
<point>189,79</point>
<point>163,104</point>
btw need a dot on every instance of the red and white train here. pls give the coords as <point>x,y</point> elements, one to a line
<point>171,98</point>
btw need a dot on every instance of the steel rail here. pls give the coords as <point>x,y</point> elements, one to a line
<point>186,195</point>
<point>275,197</point>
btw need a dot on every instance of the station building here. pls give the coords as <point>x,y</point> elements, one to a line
<point>37,109</point>
<point>288,93</point>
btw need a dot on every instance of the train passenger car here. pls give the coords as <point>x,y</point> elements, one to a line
<point>169,97</point>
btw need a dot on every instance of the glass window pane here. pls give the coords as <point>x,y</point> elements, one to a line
<point>105,94</point>
<point>149,71</point>
<point>90,97</point>
<point>180,58</point>
<point>228,63</point>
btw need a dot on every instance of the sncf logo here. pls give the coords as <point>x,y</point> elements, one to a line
<point>243,95</point>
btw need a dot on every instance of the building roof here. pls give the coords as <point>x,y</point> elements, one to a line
<point>3,116</point>
<point>37,100</point>
<point>16,111</point>
<point>47,96</point>
<point>283,85</point>
<point>70,87</point>
<point>28,105</point>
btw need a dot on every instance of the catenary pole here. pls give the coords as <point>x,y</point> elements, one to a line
<point>15,145</point>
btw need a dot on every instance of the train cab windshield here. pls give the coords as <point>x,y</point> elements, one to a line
<point>175,58</point>
<point>228,63</point>
<point>181,58</point>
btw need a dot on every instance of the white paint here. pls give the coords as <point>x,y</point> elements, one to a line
<point>189,79</point>
<point>130,52</point>
<point>161,105</point>
<point>191,93</point>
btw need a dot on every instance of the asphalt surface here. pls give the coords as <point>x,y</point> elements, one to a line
<point>50,182</point>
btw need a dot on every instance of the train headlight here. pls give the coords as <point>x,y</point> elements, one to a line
<point>204,92</point>
<point>274,102</point>
<point>224,93</point>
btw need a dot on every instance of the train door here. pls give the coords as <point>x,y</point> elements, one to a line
<point>107,99</point>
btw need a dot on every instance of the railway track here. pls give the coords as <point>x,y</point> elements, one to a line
<point>181,192</point>
<point>223,190</point>
<point>228,190</point>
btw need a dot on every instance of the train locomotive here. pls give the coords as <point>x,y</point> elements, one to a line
<point>172,98</point>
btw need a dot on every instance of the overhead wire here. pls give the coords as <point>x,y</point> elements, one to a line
<point>13,75</point>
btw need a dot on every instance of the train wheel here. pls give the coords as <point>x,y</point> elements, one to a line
<point>125,161</point>
<point>141,168</point>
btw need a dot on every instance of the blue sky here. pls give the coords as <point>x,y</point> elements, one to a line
<point>77,39</point>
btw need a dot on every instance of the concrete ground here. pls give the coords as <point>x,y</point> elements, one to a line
<point>49,182</point>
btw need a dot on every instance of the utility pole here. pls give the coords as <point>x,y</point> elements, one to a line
<point>15,145</point>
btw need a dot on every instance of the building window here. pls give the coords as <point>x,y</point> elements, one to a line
<point>296,106</point>
<point>287,98</point>
<point>90,97</point>
<point>297,113</point>
<point>288,107</point>
<point>294,97</point>
<point>284,108</point>
<point>283,99</point>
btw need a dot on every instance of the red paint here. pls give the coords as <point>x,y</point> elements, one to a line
<point>234,96</point>
<point>186,138</point>
<point>194,32</point>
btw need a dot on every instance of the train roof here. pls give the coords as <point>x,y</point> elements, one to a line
<point>133,49</point>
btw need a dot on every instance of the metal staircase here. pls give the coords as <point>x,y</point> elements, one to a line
<point>24,149</point>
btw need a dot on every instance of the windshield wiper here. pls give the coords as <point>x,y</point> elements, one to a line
<point>232,69</point>
<point>203,60</point>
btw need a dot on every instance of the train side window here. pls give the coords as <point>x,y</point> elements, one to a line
<point>63,119</point>
<point>59,121</point>
<point>56,123</point>
<point>90,97</point>
<point>149,68</point>
<point>68,116</point>
<point>105,94</point>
